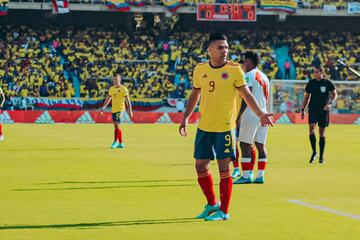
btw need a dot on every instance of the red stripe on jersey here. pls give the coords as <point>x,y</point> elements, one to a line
<point>263,85</point>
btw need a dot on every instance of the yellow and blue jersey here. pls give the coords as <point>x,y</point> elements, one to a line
<point>118,95</point>
<point>219,93</point>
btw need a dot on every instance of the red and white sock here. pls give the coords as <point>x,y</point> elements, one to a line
<point>261,166</point>
<point>0,129</point>
<point>225,190</point>
<point>207,186</point>
<point>246,167</point>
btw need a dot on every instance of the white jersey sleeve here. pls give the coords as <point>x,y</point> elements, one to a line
<point>260,86</point>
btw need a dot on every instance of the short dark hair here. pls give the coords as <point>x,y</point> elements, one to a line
<point>217,36</point>
<point>117,72</point>
<point>253,56</point>
<point>320,67</point>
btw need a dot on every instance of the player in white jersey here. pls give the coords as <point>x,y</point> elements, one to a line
<point>251,131</point>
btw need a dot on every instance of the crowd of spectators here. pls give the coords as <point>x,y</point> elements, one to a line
<point>46,62</point>
<point>30,64</point>
<point>312,48</point>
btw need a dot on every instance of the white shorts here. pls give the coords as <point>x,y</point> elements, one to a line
<point>251,130</point>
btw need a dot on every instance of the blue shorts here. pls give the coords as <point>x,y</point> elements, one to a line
<point>215,145</point>
<point>116,117</point>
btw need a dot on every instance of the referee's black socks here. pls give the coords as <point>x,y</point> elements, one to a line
<point>313,142</point>
<point>322,146</point>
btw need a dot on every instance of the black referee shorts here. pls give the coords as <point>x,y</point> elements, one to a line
<point>320,117</point>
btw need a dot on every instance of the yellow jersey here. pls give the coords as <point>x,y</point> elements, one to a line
<point>219,93</point>
<point>238,106</point>
<point>118,95</point>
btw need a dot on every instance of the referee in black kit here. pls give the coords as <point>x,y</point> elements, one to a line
<point>321,93</point>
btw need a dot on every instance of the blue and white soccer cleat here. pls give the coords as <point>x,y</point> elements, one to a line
<point>251,174</point>
<point>218,216</point>
<point>114,145</point>
<point>259,180</point>
<point>243,180</point>
<point>209,209</point>
<point>121,145</point>
<point>236,173</point>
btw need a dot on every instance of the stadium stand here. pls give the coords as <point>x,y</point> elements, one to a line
<point>47,62</point>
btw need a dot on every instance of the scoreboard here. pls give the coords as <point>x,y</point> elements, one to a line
<point>226,12</point>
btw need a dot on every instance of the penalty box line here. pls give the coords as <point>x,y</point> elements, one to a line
<point>322,208</point>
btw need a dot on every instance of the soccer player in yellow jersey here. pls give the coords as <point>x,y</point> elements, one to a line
<point>1,105</point>
<point>119,96</point>
<point>218,82</point>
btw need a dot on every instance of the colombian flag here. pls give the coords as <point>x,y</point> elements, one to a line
<point>119,5</point>
<point>137,3</point>
<point>288,6</point>
<point>173,5</point>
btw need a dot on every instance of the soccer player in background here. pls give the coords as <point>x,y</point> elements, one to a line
<point>320,93</point>
<point>251,130</point>
<point>218,82</point>
<point>1,105</point>
<point>236,172</point>
<point>119,96</point>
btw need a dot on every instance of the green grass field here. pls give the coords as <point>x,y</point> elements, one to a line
<point>64,182</point>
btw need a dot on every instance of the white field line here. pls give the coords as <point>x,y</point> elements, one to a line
<point>322,208</point>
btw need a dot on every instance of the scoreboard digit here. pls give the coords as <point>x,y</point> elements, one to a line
<point>226,12</point>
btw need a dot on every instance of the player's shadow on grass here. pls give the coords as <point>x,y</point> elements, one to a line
<point>172,164</point>
<point>105,187</point>
<point>52,149</point>
<point>121,184</point>
<point>119,181</point>
<point>103,224</point>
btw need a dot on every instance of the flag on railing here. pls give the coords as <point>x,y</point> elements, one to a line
<point>137,3</point>
<point>3,7</point>
<point>60,6</point>
<point>173,5</point>
<point>289,6</point>
<point>119,5</point>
